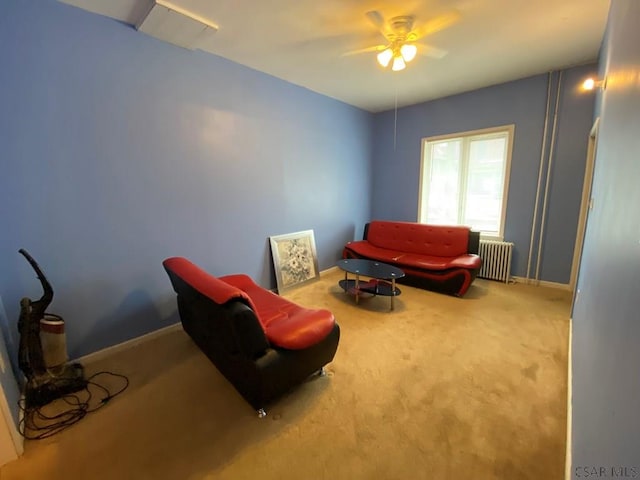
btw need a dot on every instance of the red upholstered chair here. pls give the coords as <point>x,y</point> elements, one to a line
<point>261,342</point>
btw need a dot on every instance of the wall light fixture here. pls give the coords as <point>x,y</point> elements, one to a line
<point>591,83</point>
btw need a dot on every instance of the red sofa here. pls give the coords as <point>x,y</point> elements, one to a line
<point>261,342</point>
<point>438,257</point>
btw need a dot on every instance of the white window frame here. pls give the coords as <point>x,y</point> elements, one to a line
<point>425,168</point>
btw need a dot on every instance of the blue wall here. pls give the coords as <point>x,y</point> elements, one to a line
<point>606,322</point>
<point>119,150</point>
<point>523,103</point>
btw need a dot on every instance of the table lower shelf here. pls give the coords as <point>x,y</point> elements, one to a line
<point>372,287</point>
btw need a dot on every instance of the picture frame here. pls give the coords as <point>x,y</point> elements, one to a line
<point>295,260</point>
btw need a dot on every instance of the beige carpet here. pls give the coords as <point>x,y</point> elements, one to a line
<point>440,388</point>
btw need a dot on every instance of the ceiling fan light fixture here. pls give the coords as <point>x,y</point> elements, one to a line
<point>384,57</point>
<point>408,51</point>
<point>398,63</point>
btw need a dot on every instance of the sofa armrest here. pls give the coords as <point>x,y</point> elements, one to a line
<point>366,231</point>
<point>247,330</point>
<point>474,242</point>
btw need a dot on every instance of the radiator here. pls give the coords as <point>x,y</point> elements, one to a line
<point>496,260</point>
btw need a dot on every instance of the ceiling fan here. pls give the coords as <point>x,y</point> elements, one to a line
<point>403,41</point>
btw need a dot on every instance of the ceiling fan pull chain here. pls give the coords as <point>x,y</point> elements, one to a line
<point>395,119</point>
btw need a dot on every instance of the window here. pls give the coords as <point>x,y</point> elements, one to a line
<point>465,179</point>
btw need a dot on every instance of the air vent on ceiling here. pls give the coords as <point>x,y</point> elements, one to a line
<point>175,25</point>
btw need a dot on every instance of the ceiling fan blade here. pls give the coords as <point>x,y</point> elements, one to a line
<point>431,51</point>
<point>376,18</point>
<point>376,48</point>
<point>439,23</point>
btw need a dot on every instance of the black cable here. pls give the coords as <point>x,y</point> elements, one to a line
<point>36,424</point>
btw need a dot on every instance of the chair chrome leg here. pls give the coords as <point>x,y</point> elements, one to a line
<point>322,372</point>
<point>262,413</point>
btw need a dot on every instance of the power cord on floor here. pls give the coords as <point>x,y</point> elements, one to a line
<point>37,423</point>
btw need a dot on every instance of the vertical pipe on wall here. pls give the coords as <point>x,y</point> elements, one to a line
<point>540,170</point>
<point>549,164</point>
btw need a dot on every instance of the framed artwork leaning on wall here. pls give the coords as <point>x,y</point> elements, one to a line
<point>294,259</point>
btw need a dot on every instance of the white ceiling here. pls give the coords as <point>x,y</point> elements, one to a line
<point>303,42</point>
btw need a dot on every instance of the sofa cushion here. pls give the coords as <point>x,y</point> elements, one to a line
<point>409,237</point>
<point>429,262</point>
<point>286,324</point>
<point>366,249</point>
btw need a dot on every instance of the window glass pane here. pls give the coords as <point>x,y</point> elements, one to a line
<point>485,176</point>
<point>464,179</point>
<point>444,186</point>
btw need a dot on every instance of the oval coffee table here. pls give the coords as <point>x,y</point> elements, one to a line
<point>382,278</point>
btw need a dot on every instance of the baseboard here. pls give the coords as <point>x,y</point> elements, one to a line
<point>329,270</point>
<point>12,429</point>
<point>542,283</point>
<point>106,352</point>
<point>568,457</point>
<point>5,409</point>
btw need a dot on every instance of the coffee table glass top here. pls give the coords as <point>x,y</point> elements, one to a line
<point>370,268</point>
